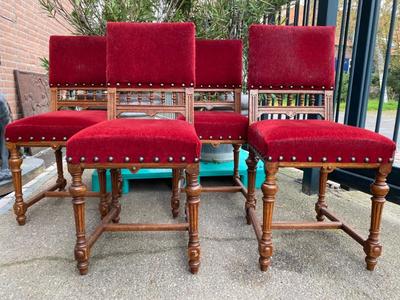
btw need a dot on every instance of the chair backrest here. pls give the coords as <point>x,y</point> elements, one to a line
<point>147,60</point>
<point>291,71</point>
<point>218,73</point>
<point>77,71</point>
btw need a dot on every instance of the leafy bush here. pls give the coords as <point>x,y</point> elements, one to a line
<point>214,19</point>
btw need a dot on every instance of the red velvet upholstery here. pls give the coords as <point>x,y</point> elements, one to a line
<point>218,63</point>
<point>220,125</point>
<point>151,54</point>
<point>291,57</point>
<point>317,139</point>
<point>135,138</point>
<point>77,60</point>
<point>53,126</point>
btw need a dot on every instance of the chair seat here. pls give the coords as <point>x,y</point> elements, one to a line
<point>318,140</point>
<point>135,140</point>
<point>220,125</point>
<point>53,126</point>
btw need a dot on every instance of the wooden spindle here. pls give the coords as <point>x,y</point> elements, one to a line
<point>312,100</point>
<point>174,98</point>
<point>290,99</point>
<point>269,99</point>
<point>301,99</point>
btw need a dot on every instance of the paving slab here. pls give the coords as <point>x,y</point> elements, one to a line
<point>36,260</point>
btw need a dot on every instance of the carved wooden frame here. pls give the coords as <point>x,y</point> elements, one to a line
<point>263,230</point>
<point>235,105</point>
<point>110,218</point>
<point>57,190</point>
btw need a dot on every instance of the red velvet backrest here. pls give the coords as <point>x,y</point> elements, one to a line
<point>150,55</point>
<point>291,57</point>
<point>77,60</point>
<point>219,63</point>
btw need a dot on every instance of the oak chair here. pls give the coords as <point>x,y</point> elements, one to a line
<point>146,62</point>
<point>77,79</point>
<point>217,100</point>
<point>291,76</point>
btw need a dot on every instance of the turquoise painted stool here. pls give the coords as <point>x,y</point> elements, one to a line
<point>207,169</point>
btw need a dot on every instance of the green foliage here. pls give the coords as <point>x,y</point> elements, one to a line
<point>214,19</point>
<point>393,82</point>
<point>89,17</point>
<point>44,62</point>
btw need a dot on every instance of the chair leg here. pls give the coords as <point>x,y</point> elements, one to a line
<point>119,183</point>
<point>379,190</point>
<point>115,194</point>
<point>236,152</point>
<point>251,162</point>
<point>15,162</point>
<point>269,190</point>
<point>193,191</point>
<point>321,203</point>
<point>78,190</point>
<point>175,192</point>
<point>103,205</point>
<point>61,181</point>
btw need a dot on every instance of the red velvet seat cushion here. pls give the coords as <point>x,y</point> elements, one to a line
<point>291,56</point>
<point>220,125</point>
<point>218,63</point>
<point>150,54</point>
<point>135,138</point>
<point>317,139</point>
<point>58,125</point>
<point>77,60</point>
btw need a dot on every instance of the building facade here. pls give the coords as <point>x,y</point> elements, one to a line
<point>24,37</point>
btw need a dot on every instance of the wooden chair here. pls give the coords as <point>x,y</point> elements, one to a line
<point>145,62</point>
<point>291,75</point>
<point>217,118</point>
<point>77,79</point>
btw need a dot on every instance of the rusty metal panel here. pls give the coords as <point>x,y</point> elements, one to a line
<point>33,92</point>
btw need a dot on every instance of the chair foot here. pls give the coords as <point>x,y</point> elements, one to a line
<point>21,220</point>
<point>264,264</point>
<point>265,251</point>
<point>83,263</point>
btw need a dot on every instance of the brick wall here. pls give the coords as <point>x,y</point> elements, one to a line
<point>24,36</point>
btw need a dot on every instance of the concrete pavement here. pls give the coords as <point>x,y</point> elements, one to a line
<point>36,260</point>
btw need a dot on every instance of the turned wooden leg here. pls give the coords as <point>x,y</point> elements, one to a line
<point>15,162</point>
<point>321,203</point>
<point>115,195</point>
<point>103,205</point>
<point>269,190</point>
<point>175,192</point>
<point>119,183</point>
<point>60,172</point>
<point>236,152</point>
<point>251,162</point>
<point>193,191</point>
<point>78,191</point>
<point>379,190</point>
